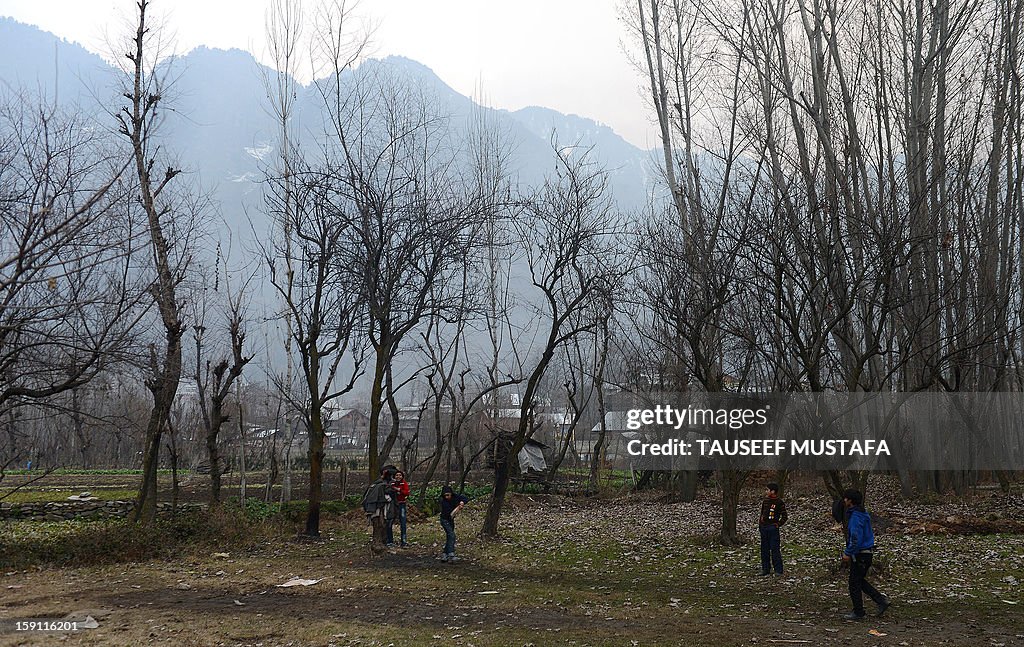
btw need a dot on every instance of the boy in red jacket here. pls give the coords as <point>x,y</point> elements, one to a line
<point>400,488</point>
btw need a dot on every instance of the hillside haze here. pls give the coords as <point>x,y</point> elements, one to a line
<point>220,131</point>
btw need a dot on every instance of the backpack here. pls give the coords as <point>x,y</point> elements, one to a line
<point>373,498</point>
<point>839,511</point>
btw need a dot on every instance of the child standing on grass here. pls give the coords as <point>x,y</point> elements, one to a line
<point>773,517</point>
<point>451,503</point>
<point>401,488</point>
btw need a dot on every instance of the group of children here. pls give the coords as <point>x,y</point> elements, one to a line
<point>857,554</point>
<point>385,502</point>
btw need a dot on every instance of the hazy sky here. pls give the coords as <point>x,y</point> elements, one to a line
<point>563,54</point>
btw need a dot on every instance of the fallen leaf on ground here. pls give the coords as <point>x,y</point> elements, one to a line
<point>875,632</point>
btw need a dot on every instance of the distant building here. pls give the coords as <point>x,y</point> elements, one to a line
<point>347,429</point>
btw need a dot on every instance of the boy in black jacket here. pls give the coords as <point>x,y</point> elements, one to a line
<point>773,517</point>
<point>451,503</point>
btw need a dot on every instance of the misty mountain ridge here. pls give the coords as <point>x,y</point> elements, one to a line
<point>220,128</point>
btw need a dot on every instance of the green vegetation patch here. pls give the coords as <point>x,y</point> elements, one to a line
<point>83,543</point>
<point>293,511</point>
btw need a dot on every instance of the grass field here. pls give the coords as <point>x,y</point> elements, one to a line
<point>627,571</point>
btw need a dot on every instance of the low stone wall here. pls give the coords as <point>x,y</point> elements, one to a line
<point>67,510</point>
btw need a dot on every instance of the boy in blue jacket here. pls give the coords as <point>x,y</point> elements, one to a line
<point>860,548</point>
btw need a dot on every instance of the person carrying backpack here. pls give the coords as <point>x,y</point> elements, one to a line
<point>376,504</point>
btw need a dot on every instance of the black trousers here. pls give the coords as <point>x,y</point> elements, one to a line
<point>858,571</point>
<point>771,549</point>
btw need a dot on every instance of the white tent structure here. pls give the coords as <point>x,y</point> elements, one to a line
<point>531,457</point>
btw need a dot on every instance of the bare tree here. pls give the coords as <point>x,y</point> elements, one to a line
<point>214,381</point>
<point>412,223</point>
<point>455,400</point>
<point>566,234</point>
<point>584,365</point>
<point>872,137</point>
<point>322,303</point>
<point>68,301</point>
<point>692,285</point>
<point>168,235</point>
<point>284,23</point>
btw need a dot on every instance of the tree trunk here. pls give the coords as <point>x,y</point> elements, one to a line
<point>782,479</point>
<point>731,482</point>
<point>316,473</point>
<point>688,485</point>
<point>241,452</point>
<point>272,472</point>
<point>596,461</point>
<point>645,480</point>
<point>145,502</point>
<point>286,480</point>
<point>560,458</point>
<point>389,441</point>
<point>502,471</point>
<point>213,452</point>
<point>163,388</point>
<point>1004,481</point>
<point>377,545</point>
<point>175,486</point>
<point>376,407</point>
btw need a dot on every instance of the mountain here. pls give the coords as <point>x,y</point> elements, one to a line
<point>44,64</point>
<point>627,166</point>
<point>220,131</point>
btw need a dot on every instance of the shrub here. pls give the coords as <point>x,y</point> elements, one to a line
<point>82,543</point>
<point>257,510</point>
